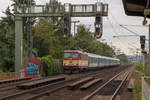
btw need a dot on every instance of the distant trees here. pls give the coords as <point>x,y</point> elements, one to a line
<point>123,59</point>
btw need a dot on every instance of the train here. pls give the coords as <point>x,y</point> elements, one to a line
<point>78,60</point>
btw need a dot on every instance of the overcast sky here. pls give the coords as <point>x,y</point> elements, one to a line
<point>111,23</point>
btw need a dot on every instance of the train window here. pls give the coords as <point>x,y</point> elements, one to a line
<point>75,55</point>
<point>67,55</point>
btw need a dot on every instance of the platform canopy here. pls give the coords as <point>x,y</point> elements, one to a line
<point>135,7</point>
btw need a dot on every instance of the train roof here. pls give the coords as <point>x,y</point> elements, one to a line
<point>92,55</point>
<point>73,51</point>
<point>99,56</point>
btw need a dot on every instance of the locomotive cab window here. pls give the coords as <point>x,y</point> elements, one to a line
<point>75,55</point>
<point>67,55</point>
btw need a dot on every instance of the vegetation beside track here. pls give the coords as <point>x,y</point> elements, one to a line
<point>50,68</point>
<point>137,90</point>
<point>137,94</point>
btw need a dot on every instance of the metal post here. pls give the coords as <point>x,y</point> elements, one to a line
<point>143,61</point>
<point>18,43</point>
<point>29,38</point>
<point>149,41</point>
<point>29,33</point>
<point>142,79</point>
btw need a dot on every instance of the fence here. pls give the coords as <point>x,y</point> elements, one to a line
<point>10,75</point>
<point>51,68</point>
<point>145,89</point>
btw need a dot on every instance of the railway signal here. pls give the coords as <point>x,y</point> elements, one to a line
<point>98,25</point>
<point>142,41</point>
<point>66,24</point>
<point>98,18</point>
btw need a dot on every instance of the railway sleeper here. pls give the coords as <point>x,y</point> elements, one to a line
<point>40,83</point>
<point>91,83</point>
<point>79,83</point>
<point>13,80</point>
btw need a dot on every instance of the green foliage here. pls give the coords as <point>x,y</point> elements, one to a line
<point>49,67</point>
<point>7,46</point>
<point>123,59</point>
<point>139,67</point>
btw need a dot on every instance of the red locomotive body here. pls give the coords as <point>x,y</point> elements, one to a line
<point>75,60</point>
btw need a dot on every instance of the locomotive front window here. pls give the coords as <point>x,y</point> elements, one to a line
<point>67,55</point>
<point>74,55</point>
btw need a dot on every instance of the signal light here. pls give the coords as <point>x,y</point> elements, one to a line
<point>66,24</point>
<point>66,30</point>
<point>98,18</point>
<point>142,41</point>
<point>143,46</point>
<point>98,15</point>
<point>97,30</point>
<point>98,25</point>
<point>66,19</point>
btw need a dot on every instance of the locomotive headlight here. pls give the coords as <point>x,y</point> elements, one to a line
<point>65,64</point>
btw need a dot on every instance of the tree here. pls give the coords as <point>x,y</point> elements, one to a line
<point>7,38</point>
<point>123,59</point>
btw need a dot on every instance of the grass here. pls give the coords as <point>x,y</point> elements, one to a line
<point>137,94</point>
<point>137,90</point>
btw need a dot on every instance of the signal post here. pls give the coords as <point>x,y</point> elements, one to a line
<point>142,42</point>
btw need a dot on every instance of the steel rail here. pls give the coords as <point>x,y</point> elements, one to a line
<point>119,87</point>
<point>121,84</point>
<point>98,89</point>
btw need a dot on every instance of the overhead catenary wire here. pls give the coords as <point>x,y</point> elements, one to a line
<point>128,44</point>
<point>120,26</point>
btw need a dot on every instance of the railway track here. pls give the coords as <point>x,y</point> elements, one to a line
<point>34,93</point>
<point>77,94</point>
<point>110,89</point>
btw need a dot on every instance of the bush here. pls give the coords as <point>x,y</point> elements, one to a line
<point>49,67</point>
<point>139,67</point>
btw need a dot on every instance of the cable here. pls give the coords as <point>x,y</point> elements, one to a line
<point>129,30</point>
<point>135,25</point>
<point>132,31</point>
<point>116,33</point>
